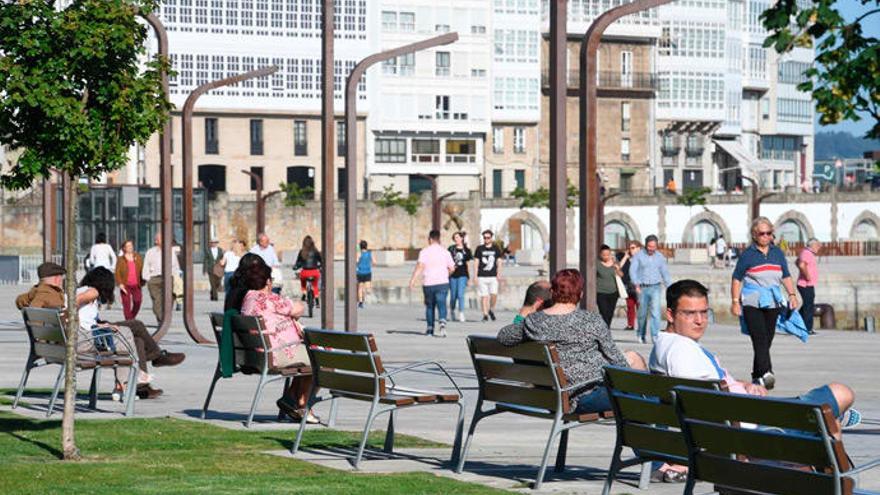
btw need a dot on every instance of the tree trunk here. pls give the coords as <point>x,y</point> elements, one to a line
<point>68,443</point>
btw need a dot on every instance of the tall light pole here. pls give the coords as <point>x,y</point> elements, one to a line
<point>261,211</point>
<point>327,163</point>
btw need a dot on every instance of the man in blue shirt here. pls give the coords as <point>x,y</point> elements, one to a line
<point>647,271</point>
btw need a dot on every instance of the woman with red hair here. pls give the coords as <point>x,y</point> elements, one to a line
<point>582,339</point>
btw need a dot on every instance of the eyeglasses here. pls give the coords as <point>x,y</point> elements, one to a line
<point>691,314</point>
<point>764,233</point>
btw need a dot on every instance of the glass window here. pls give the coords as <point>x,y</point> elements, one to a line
<point>300,138</point>
<point>624,149</point>
<point>258,171</point>
<point>791,231</point>
<point>212,144</point>
<point>390,150</point>
<point>519,140</point>
<point>441,107</point>
<point>519,176</point>
<point>256,136</point>
<point>497,139</point>
<point>389,20</point>
<point>624,115</point>
<point>407,22</point>
<point>340,138</point>
<point>442,64</point>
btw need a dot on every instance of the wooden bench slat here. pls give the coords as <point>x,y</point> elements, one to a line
<point>645,410</point>
<point>360,342</point>
<point>527,351</point>
<point>720,407</point>
<point>532,397</point>
<point>50,352</point>
<point>762,444</point>
<point>345,382</point>
<point>654,439</point>
<point>761,477</point>
<point>513,371</point>
<point>643,383</point>
<point>343,360</point>
<point>47,333</point>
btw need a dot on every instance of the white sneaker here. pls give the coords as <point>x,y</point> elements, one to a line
<point>461,316</point>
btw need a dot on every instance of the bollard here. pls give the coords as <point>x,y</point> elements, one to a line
<point>869,324</point>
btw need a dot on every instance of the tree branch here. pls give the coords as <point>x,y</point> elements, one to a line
<point>866,14</point>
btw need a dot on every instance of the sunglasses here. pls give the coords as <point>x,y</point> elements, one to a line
<point>764,233</point>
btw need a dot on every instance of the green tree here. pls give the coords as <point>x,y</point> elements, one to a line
<point>76,97</point>
<point>294,195</point>
<point>693,196</point>
<point>845,80</point>
<point>540,198</point>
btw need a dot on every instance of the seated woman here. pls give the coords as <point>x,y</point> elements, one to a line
<point>237,287</point>
<point>582,339</point>
<point>280,316</point>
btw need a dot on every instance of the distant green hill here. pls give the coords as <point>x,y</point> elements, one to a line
<point>831,145</point>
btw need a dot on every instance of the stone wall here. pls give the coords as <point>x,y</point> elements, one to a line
<point>21,222</point>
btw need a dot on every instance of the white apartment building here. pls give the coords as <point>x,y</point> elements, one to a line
<point>269,126</point>
<point>433,107</point>
<point>727,106</point>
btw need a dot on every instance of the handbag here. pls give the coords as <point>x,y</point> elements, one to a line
<point>218,270</point>
<point>621,288</point>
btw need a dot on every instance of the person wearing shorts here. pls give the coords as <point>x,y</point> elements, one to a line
<point>364,272</point>
<point>488,258</point>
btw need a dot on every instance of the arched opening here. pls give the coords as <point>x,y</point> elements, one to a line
<point>704,231</point>
<point>866,230</point>
<point>791,231</point>
<point>212,177</point>
<point>617,234</point>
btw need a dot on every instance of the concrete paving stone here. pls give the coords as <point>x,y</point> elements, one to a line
<point>507,448</point>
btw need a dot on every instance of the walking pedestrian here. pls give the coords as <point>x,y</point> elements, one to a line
<point>435,265</point>
<point>649,274</point>
<point>721,249</point>
<point>309,261</point>
<point>266,250</point>
<point>488,262</point>
<point>152,273</point>
<point>756,298</point>
<point>177,286</point>
<point>128,271</point>
<point>607,293</point>
<point>213,255</point>
<point>102,254</point>
<point>230,262</point>
<point>364,272</point>
<point>808,275</point>
<point>462,256</point>
<point>632,297</point>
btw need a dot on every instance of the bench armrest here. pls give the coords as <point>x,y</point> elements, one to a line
<point>117,338</point>
<point>580,385</point>
<point>419,364</point>
<point>863,467</point>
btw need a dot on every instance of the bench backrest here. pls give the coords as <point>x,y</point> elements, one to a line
<point>250,346</point>
<point>792,450</point>
<point>643,409</point>
<point>345,362</point>
<point>527,374</point>
<point>46,333</point>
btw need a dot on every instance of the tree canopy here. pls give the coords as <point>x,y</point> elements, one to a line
<point>845,80</point>
<point>78,90</point>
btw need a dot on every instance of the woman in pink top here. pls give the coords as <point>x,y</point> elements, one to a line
<point>809,273</point>
<point>280,316</point>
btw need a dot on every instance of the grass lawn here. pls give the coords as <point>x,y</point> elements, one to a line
<point>179,456</point>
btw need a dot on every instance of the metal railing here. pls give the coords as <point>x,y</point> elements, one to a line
<point>636,81</point>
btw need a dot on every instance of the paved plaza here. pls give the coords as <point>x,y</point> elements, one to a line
<point>506,449</point>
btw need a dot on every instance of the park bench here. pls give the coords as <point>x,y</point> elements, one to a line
<point>48,341</point>
<point>348,365</point>
<point>646,420</point>
<point>792,451</point>
<point>525,379</point>
<point>252,356</point>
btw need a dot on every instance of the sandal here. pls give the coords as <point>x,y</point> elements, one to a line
<point>671,476</point>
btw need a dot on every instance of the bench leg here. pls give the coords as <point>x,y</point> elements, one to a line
<point>614,468</point>
<point>690,483</point>
<point>93,389</point>
<point>470,436</point>
<point>389,435</point>
<point>554,431</point>
<point>363,444</point>
<point>459,430</point>
<point>334,405</point>
<point>130,390</point>
<point>561,451</point>
<point>645,476</point>
<point>21,384</point>
<point>310,403</point>
<point>257,396</point>
<point>55,392</point>
<point>283,393</point>
<point>217,374</point>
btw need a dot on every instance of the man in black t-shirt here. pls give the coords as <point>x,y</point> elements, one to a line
<point>488,258</point>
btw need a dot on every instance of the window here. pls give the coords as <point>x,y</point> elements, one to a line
<point>626,69</point>
<point>791,110</point>
<point>341,183</point>
<point>624,116</point>
<point>497,139</point>
<point>694,145</point>
<point>407,64</point>
<point>496,183</point>
<point>441,107</point>
<point>478,72</point>
<point>300,138</point>
<point>441,28</point>
<point>626,181</point>
<point>418,184</point>
<point>256,137</point>
<point>519,176</point>
<point>341,141</point>
<point>302,176</point>
<point>519,140</point>
<point>425,150</point>
<point>478,29</point>
<point>212,145</point>
<point>461,151</point>
<point>624,149</point>
<point>212,177</point>
<point>407,22</point>
<point>258,171</point>
<point>792,72</point>
<point>442,67</point>
<point>389,20</point>
<point>390,151</point>
<point>765,108</point>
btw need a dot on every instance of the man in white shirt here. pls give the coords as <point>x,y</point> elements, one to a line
<point>152,273</point>
<point>102,254</point>
<point>264,249</point>
<point>677,352</point>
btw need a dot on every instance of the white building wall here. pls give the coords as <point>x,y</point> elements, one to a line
<point>516,61</point>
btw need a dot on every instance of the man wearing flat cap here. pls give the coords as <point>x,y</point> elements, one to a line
<point>47,293</point>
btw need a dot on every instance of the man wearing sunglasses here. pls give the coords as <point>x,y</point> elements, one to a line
<point>488,259</point>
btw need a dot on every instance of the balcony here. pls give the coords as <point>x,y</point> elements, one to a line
<point>610,80</point>
<point>670,149</point>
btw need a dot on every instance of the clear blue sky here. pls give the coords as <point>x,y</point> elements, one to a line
<point>851,9</point>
